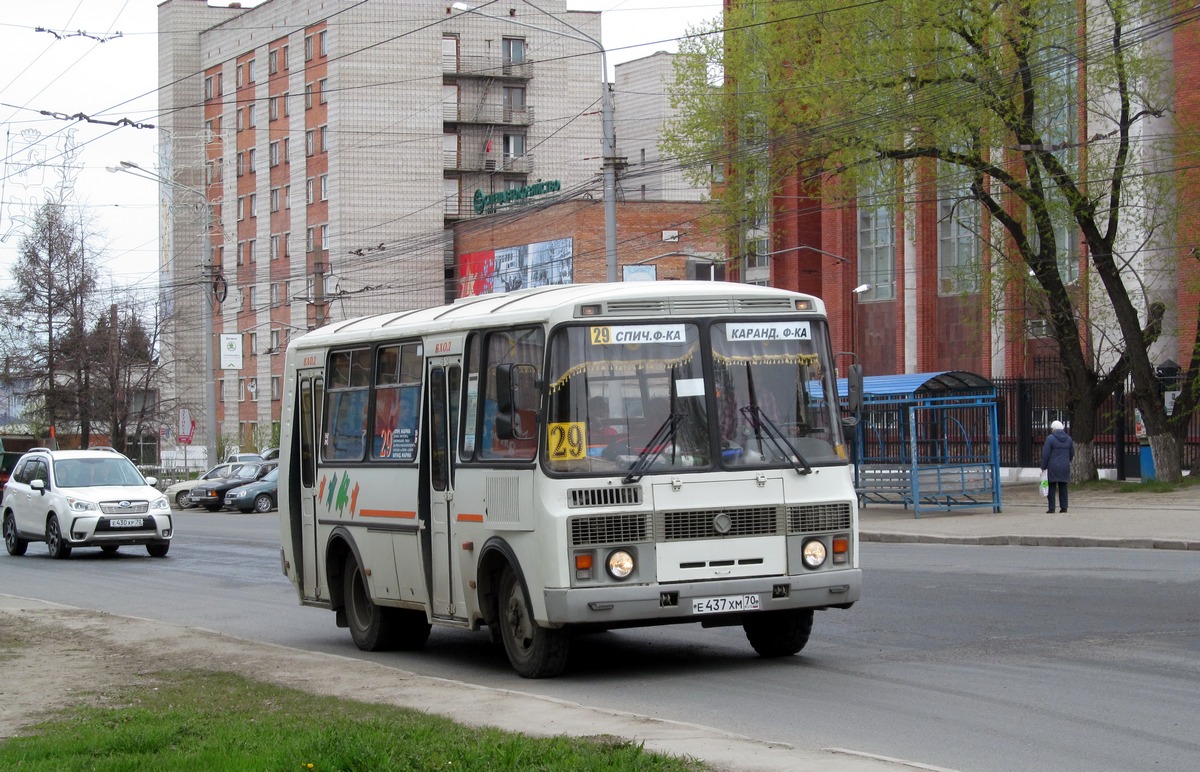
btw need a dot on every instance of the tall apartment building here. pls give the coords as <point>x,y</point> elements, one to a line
<point>643,88</point>
<point>337,143</point>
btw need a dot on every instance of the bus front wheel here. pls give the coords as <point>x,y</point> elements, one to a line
<point>535,652</point>
<point>778,633</point>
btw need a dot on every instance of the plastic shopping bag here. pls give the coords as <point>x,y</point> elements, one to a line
<point>1044,487</point>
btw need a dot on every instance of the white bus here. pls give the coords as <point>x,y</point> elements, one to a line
<point>570,458</point>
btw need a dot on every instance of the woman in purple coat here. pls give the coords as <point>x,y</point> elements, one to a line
<point>1057,452</point>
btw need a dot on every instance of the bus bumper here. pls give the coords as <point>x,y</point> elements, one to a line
<point>674,602</point>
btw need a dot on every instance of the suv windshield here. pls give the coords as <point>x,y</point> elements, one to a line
<point>633,399</point>
<point>110,469</point>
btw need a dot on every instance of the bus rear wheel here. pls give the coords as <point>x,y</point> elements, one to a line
<point>374,627</point>
<point>535,652</point>
<point>778,633</point>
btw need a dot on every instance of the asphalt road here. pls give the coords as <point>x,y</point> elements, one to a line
<point>965,657</point>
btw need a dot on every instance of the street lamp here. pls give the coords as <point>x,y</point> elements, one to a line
<point>857,293</point>
<point>609,141</point>
<point>210,386</point>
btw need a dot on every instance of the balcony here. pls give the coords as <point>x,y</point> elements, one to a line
<point>489,114</point>
<point>487,163</point>
<point>486,67</point>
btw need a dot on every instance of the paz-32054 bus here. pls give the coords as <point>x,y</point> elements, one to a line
<point>579,457</point>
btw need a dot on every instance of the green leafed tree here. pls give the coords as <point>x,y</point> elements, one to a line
<point>1050,118</point>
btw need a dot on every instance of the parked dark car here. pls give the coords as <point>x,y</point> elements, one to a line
<point>210,494</point>
<point>258,496</point>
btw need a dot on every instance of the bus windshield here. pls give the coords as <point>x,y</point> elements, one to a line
<point>633,398</point>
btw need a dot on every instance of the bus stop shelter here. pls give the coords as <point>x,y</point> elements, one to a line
<point>929,441</point>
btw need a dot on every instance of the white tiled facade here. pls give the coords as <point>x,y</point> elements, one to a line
<point>414,102</point>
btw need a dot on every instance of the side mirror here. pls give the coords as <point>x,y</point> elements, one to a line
<point>38,485</point>
<point>854,388</point>
<point>516,394</point>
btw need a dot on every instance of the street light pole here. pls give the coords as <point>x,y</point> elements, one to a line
<point>607,127</point>
<point>210,389</point>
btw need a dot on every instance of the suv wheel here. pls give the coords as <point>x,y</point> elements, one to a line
<point>158,550</point>
<point>15,545</point>
<point>54,540</point>
<point>262,502</point>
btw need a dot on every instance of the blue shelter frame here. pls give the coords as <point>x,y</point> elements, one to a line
<point>929,440</point>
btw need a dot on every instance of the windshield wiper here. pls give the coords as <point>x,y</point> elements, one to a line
<point>652,451</point>
<point>761,422</point>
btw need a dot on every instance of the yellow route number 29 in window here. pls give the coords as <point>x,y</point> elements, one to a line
<point>566,441</point>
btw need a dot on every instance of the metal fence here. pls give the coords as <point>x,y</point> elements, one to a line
<point>1026,407</point>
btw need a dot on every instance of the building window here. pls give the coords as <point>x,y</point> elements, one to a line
<point>276,388</point>
<point>323,37</point>
<point>513,52</point>
<point>252,338</point>
<point>250,77</point>
<point>324,187</point>
<point>251,305</point>
<point>323,84</point>
<point>240,119</point>
<point>308,92</point>
<point>757,254</point>
<point>324,139</point>
<point>242,390</point>
<point>287,244</point>
<point>241,208</point>
<point>324,237</point>
<point>250,165</point>
<point>308,48</point>
<point>239,79</point>
<point>274,302</point>
<point>274,246</point>
<point>308,191</point>
<point>250,256</point>
<point>514,99</point>
<point>273,61</point>
<point>310,238</point>
<point>514,146</point>
<point>274,199</point>
<point>250,119</point>
<point>209,88</point>
<point>876,245</point>
<point>286,97</point>
<point>310,142</point>
<point>273,155</point>
<point>273,108</point>
<point>287,196</point>
<point>287,148</point>
<point>252,205</point>
<point>958,242</point>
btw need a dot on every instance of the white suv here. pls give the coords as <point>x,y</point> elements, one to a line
<point>83,498</point>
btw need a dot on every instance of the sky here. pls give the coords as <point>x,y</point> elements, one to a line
<point>98,59</point>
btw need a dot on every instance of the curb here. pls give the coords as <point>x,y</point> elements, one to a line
<point>1032,541</point>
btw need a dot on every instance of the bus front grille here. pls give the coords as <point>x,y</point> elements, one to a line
<point>624,496</point>
<point>719,523</point>
<point>609,529</point>
<point>810,518</point>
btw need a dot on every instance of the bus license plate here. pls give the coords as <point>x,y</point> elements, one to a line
<point>126,522</point>
<point>725,603</point>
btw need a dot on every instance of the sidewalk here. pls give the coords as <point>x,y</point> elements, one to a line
<point>1094,519</point>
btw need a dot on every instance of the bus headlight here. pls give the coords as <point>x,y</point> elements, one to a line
<point>619,564</point>
<point>813,553</point>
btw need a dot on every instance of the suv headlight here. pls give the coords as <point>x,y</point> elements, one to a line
<point>80,505</point>
<point>160,503</point>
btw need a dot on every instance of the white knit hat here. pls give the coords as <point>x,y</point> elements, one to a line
<point>1056,426</point>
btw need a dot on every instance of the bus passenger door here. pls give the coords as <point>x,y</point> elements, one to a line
<point>445,374</point>
<point>311,394</point>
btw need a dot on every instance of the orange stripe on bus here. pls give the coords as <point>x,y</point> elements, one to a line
<point>387,513</point>
<point>465,518</point>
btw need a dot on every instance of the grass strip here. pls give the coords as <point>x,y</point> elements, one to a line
<point>217,721</point>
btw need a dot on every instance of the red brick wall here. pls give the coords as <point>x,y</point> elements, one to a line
<point>640,226</point>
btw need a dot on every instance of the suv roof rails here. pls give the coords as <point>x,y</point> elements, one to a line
<point>106,448</point>
<point>42,450</point>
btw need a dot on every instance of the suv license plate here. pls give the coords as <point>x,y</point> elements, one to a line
<point>725,603</point>
<point>127,522</point>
